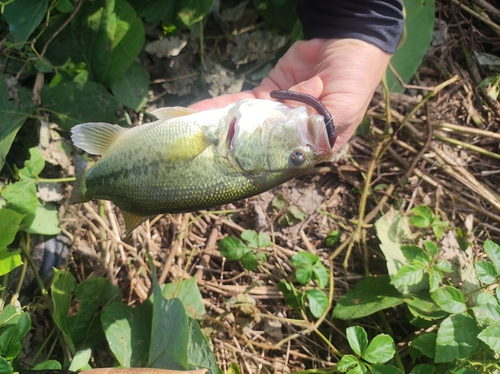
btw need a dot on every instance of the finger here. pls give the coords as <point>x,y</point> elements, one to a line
<point>222,101</point>
<point>313,87</point>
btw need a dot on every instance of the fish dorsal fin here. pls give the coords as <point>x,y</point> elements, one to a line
<point>172,112</point>
<point>95,137</point>
<point>132,220</point>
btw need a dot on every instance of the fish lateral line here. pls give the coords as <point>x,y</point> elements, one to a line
<point>312,102</point>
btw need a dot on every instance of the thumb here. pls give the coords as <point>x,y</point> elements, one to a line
<point>312,86</point>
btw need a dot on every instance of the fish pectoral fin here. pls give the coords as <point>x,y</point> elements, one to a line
<point>95,137</point>
<point>185,149</point>
<point>172,112</point>
<point>133,220</point>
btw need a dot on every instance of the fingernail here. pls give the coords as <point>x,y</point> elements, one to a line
<point>313,84</point>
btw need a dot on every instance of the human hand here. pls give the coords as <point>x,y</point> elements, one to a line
<point>341,73</point>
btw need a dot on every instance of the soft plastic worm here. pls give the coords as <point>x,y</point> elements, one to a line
<point>314,103</point>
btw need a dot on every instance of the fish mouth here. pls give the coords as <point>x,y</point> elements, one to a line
<point>231,131</point>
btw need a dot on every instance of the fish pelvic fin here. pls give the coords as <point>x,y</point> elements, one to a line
<point>95,137</point>
<point>172,112</point>
<point>132,221</point>
<point>79,188</point>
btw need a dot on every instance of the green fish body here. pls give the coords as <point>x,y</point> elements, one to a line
<point>189,160</point>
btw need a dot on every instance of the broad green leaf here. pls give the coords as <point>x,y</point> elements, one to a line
<point>80,360</point>
<point>34,165</point>
<point>293,300</point>
<point>65,6</point>
<point>380,350</point>
<point>493,251</point>
<point>193,11</point>
<point>199,352</point>
<point>491,336</point>
<point>347,362</point>
<point>251,237</point>
<point>431,248</point>
<point>425,343</point>
<point>279,202</point>
<point>486,314</point>
<point>304,274</point>
<point>485,298</point>
<point>486,272</point>
<point>21,196</point>
<point>128,331</point>
<point>113,38</point>
<point>415,254</point>
<point>72,103</point>
<point>85,326</point>
<point>9,260</point>
<point>188,292</point>
<point>250,261</point>
<point>357,338</point>
<point>264,240</point>
<point>385,369</point>
<point>15,107</point>
<point>62,289</point>
<point>456,338</point>
<point>10,226</point>
<point>369,296</point>
<point>321,274</point>
<point>438,227</point>
<point>332,238</point>
<point>297,213</point>
<point>156,11</point>
<point>23,17</point>
<point>304,258</point>
<point>419,22</point>
<point>422,216</point>
<point>423,369</point>
<point>232,248</point>
<point>422,306</point>
<point>169,331</point>
<point>444,266</point>
<point>435,278</point>
<point>46,221</point>
<point>449,299</point>
<point>47,365</point>
<point>281,14</point>
<point>318,302</point>
<point>5,366</point>
<point>132,88</point>
<point>408,275</point>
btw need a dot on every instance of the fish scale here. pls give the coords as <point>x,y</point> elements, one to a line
<point>189,160</point>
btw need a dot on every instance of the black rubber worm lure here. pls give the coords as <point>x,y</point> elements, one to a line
<point>312,102</point>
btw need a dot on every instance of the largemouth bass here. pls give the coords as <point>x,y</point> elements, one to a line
<point>189,160</point>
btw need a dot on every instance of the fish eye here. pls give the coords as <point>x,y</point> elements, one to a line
<point>298,157</point>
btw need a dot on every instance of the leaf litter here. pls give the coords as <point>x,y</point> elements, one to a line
<point>458,182</point>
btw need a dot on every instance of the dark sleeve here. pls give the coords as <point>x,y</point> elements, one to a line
<point>377,22</point>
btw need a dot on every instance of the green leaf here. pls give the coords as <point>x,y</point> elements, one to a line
<point>422,306</point>
<point>62,289</point>
<point>486,272</point>
<point>380,350</point>
<point>385,369</point>
<point>279,202</point>
<point>34,165</point>
<point>132,89</point>
<point>297,213</point>
<point>169,331</point>
<point>438,228</point>
<point>304,258</point>
<point>408,275</point>
<point>332,238</point>
<point>232,248</point>
<point>23,17</point>
<point>419,23</point>
<point>80,360</point>
<point>128,331</point>
<point>85,327</point>
<point>431,248</point>
<point>444,266</point>
<point>188,292</point>
<point>369,296</point>
<point>47,365</point>
<point>113,38</point>
<point>347,362</point>
<point>357,338</point>
<point>192,11</point>
<point>156,11</point>
<point>264,240</point>
<point>292,300</point>
<point>250,261</point>
<point>456,338</point>
<point>281,14</point>
<point>199,352</point>
<point>318,302</point>
<point>21,196</point>
<point>304,274</point>
<point>486,314</point>
<point>10,226</point>
<point>491,336</point>
<point>15,107</point>
<point>449,299</point>
<point>423,369</point>
<point>493,251</point>
<point>485,298</point>
<point>73,103</point>
<point>321,274</point>
<point>46,221</point>
<point>251,237</point>
<point>65,6</point>
<point>9,261</point>
<point>422,216</point>
<point>415,254</point>
<point>435,279</point>
<point>425,343</point>
<point>5,366</point>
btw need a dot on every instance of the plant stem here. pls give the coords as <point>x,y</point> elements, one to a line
<point>26,251</point>
<point>56,180</point>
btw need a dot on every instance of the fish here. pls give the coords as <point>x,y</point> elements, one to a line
<point>192,160</point>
